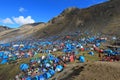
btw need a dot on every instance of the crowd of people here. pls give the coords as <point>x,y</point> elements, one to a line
<point>46,66</point>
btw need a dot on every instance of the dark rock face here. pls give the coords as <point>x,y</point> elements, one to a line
<point>2,28</point>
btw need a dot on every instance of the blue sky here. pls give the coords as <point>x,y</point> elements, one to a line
<point>14,13</point>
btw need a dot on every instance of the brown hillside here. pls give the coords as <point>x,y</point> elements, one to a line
<point>103,18</point>
<point>91,71</point>
<point>3,28</point>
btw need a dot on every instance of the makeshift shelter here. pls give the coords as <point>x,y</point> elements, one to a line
<point>97,44</point>
<point>47,75</point>
<point>82,59</point>
<point>24,67</point>
<point>4,61</point>
<point>109,52</point>
<point>51,71</point>
<point>41,77</point>
<point>59,68</point>
<point>1,54</point>
<point>91,53</point>
<point>28,78</point>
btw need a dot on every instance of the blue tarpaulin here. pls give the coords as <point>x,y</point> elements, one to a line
<point>28,78</point>
<point>41,77</point>
<point>24,67</point>
<point>91,53</point>
<point>97,44</point>
<point>1,54</point>
<point>4,61</point>
<point>51,71</point>
<point>59,68</point>
<point>82,59</point>
<point>47,75</point>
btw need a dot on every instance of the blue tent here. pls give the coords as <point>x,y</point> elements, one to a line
<point>35,53</point>
<point>116,53</point>
<point>56,60</point>
<point>82,59</point>
<point>28,78</point>
<point>98,41</point>
<point>109,52</point>
<point>24,67</point>
<point>1,54</point>
<point>44,70</point>
<point>6,45</point>
<point>26,55</point>
<point>0,57</point>
<point>91,53</point>
<point>41,77</point>
<point>91,39</point>
<point>47,51</point>
<point>46,61</point>
<point>103,40</point>
<point>69,46</point>
<point>4,61</point>
<point>32,61</point>
<point>47,65</point>
<point>5,57</point>
<point>51,57</point>
<point>97,44</point>
<point>79,45</point>
<point>47,75</point>
<point>36,78</point>
<point>51,71</point>
<point>22,49</point>
<point>59,68</point>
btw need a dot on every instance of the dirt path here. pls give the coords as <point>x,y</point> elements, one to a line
<point>90,71</point>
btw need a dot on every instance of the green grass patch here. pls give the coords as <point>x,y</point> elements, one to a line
<point>8,71</point>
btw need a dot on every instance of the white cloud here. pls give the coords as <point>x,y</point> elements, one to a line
<point>22,20</point>
<point>7,21</point>
<point>22,10</point>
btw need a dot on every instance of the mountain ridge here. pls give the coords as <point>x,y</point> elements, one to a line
<point>97,18</point>
<point>101,18</point>
<point>3,28</point>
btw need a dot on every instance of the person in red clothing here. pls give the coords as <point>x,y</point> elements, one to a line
<point>100,51</point>
<point>71,58</point>
<point>82,48</point>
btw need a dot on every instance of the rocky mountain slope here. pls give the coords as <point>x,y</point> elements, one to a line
<point>22,32</point>
<point>90,71</point>
<point>104,18</point>
<point>3,28</point>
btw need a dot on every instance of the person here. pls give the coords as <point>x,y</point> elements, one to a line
<point>29,72</point>
<point>100,55</point>
<point>17,77</point>
<point>71,58</point>
<point>62,61</point>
